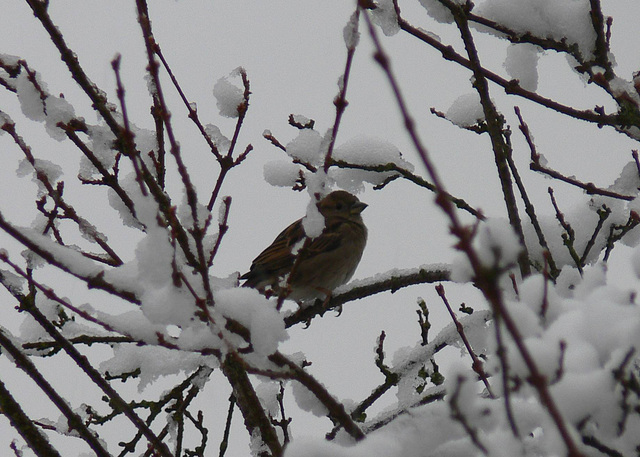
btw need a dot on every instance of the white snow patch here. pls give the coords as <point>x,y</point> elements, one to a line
<point>307,401</point>
<point>255,312</point>
<point>222,142</point>
<point>384,15</point>
<point>521,63</point>
<point>553,19</point>
<point>313,221</point>
<point>228,96</point>
<point>306,147</point>
<point>281,173</point>
<point>466,110</point>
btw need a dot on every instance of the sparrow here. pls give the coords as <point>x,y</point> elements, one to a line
<point>301,268</point>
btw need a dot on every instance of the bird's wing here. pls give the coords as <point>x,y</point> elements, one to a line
<point>329,240</point>
<point>278,257</point>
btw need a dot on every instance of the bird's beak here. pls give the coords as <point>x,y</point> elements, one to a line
<point>357,208</point>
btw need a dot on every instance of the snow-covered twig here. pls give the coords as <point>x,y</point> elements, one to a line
<point>528,205</point>
<point>458,415</point>
<point>494,122</point>
<point>70,58</point>
<point>75,422</point>
<point>409,176</point>
<point>477,364</point>
<point>336,409</point>
<point>227,162</point>
<point>510,86</point>
<point>588,187</point>
<point>385,282</point>
<point>351,36</point>
<point>55,194</point>
<point>485,279</point>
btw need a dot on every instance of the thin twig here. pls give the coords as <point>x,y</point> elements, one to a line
<point>108,179</point>
<point>501,352</point>
<point>52,191</point>
<point>603,214</point>
<point>616,232</point>
<point>197,231</point>
<point>485,279</point>
<point>92,279</point>
<point>70,58</point>
<point>285,421</point>
<point>335,408</point>
<point>390,379</point>
<point>510,86</point>
<point>96,378</point>
<point>227,162</point>
<point>601,51</point>
<point>224,444</point>
<point>494,122</point>
<point>222,228</point>
<point>340,101</point>
<point>588,187</point>
<point>477,364</point>
<point>409,176</point>
<point>256,420</point>
<point>35,439</point>
<point>175,393</point>
<point>529,208</point>
<point>126,135</point>
<point>193,113</point>
<point>75,422</point>
<point>569,235</point>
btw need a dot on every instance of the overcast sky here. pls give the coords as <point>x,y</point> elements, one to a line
<point>294,53</point>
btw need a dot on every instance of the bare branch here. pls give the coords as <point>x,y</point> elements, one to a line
<point>75,422</point>
<point>34,438</point>
<point>477,364</point>
<point>485,279</point>
<point>510,86</point>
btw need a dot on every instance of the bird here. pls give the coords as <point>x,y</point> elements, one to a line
<point>300,268</point>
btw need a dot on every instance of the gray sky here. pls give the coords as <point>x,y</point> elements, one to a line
<point>294,53</point>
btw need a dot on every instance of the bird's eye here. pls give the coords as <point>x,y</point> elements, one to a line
<point>339,206</point>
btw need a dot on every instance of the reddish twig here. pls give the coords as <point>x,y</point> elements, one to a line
<point>193,113</point>
<point>340,101</point>
<point>75,422</point>
<point>51,295</point>
<point>83,363</point>
<point>336,409</point>
<point>529,208</point>
<point>227,162</point>
<point>92,279</point>
<point>126,134</point>
<point>485,279</point>
<point>409,176</point>
<point>494,122</point>
<point>53,192</point>
<point>222,228</point>
<point>477,364</point>
<point>510,86</point>
<point>569,235</point>
<point>197,231</point>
